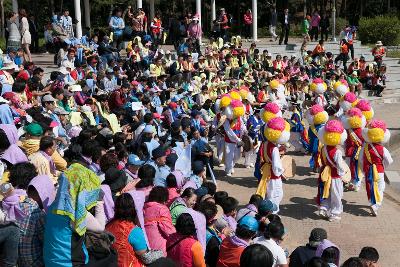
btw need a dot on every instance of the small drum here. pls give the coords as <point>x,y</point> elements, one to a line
<point>289,166</point>
<point>247,143</point>
<point>346,178</point>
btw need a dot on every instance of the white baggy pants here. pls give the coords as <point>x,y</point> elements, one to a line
<point>232,155</point>
<point>381,189</point>
<point>275,192</point>
<point>220,146</point>
<point>333,204</point>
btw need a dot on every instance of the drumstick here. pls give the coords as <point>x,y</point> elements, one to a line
<point>212,174</point>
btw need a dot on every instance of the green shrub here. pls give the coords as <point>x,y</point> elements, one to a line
<point>340,24</point>
<point>383,28</point>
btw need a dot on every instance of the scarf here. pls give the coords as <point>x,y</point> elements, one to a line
<point>31,146</point>
<point>238,242</point>
<point>77,193</point>
<point>14,155</point>
<point>11,132</point>
<point>11,205</point>
<point>45,187</point>
<point>108,202</point>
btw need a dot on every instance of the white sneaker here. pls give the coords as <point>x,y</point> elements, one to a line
<point>251,165</point>
<point>229,174</point>
<point>221,165</point>
<point>334,218</point>
<point>374,211</point>
<point>248,166</point>
<point>323,213</point>
<point>233,171</point>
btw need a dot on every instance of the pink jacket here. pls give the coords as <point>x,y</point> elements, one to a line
<point>172,195</point>
<point>158,225</point>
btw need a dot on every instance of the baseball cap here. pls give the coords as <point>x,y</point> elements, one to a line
<point>266,206</point>
<point>48,98</point>
<point>134,160</point>
<point>149,129</point>
<point>317,235</point>
<point>172,105</point>
<point>157,116</point>
<point>198,167</point>
<point>34,129</point>
<point>249,222</point>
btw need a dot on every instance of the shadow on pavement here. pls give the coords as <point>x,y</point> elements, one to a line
<point>356,210</point>
<point>302,208</point>
<point>311,182</point>
<point>249,182</point>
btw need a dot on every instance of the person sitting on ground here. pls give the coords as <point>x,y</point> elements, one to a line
<point>182,246</point>
<point>250,209</point>
<point>256,255</point>
<point>229,206</point>
<point>329,253</point>
<point>353,262</point>
<point>232,247</point>
<point>301,255</point>
<point>370,256</point>
<point>273,236</point>
<point>187,200</point>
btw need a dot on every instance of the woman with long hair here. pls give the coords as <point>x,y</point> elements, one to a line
<point>130,241</point>
<point>25,34</point>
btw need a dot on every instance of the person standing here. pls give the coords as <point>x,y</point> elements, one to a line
<point>14,36</point>
<point>285,21</point>
<point>195,32</point>
<point>306,28</point>
<point>272,23</point>
<point>223,22</point>
<point>156,29</point>
<point>33,29</point>
<point>248,21</point>
<point>25,34</point>
<point>315,25</point>
<point>344,54</point>
<point>66,24</point>
<point>324,25</point>
<point>374,159</point>
<point>117,26</point>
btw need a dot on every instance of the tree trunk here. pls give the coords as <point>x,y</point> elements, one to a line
<point>3,34</point>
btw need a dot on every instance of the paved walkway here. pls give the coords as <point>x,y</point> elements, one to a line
<point>298,210</point>
<point>299,214</point>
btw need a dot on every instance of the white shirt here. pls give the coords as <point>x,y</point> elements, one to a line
<point>286,18</point>
<point>276,162</point>
<point>277,252</point>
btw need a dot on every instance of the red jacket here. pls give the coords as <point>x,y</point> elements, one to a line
<point>229,254</point>
<point>117,99</point>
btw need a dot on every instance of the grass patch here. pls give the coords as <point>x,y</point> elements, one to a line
<point>393,53</point>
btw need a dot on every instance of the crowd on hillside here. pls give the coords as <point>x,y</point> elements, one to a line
<point>110,162</point>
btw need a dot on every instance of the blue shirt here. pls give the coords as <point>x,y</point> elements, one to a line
<point>197,180</point>
<point>137,240</point>
<point>161,174</point>
<point>116,23</point>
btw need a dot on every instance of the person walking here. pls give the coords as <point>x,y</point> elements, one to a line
<point>25,34</point>
<point>248,21</point>
<point>316,18</point>
<point>272,23</point>
<point>285,21</point>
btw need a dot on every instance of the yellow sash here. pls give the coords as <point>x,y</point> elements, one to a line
<point>326,177</point>
<point>375,174</point>
<point>266,174</point>
<point>319,160</point>
<point>357,140</point>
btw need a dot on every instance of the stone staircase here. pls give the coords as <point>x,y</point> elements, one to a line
<point>390,95</point>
